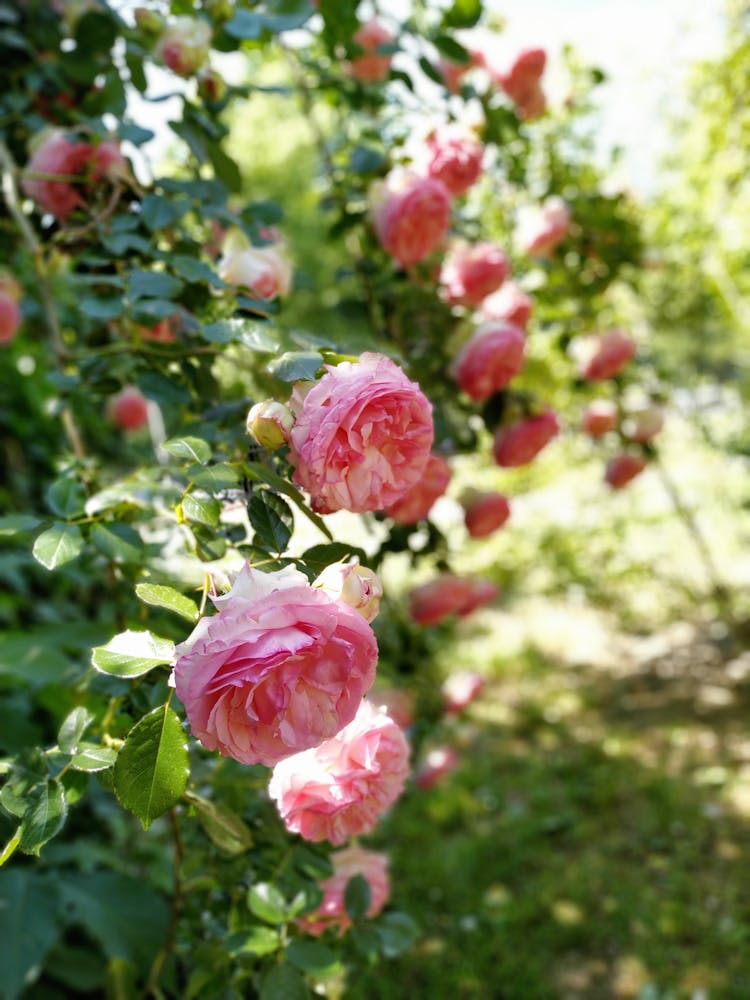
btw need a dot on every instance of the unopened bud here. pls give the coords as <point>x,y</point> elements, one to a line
<point>211,85</point>
<point>270,423</point>
<point>355,585</point>
<point>148,21</point>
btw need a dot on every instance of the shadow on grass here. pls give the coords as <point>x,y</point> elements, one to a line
<point>591,844</point>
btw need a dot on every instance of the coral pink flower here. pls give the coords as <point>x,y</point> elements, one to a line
<point>541,227</point>
<point>460,689</point>
<point>10,311</point>
<point>395,702</point>
<point>410,215</point>
<point>599,418</point>
<point>340,789</point>
<point>184,46</point>
<point>280,668</point>
<point>482,592</point>
<point>521,82</point>
<point>362,437</point>
<point>85,164</point>
<point>417,502</point>
<point>643,424</point>
<point>522,441</point>
<point>448,595</point>
<point>355,585</point>
<point>471,272</point>
<point>348,862</point>
<point>129,409</point>
<point>438,763</point>
<point>622,468</point>
<point>372,66</point>
<point>454,156</point>
<point>614,350</point>
<point>487,362</point>
<point>485,513</point>
<point>508,304</point>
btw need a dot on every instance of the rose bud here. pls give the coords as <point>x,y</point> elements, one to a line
<point>471,272</point>
<point>438,763</point>
<point>613,352</point>
<point>410,215</point>
<point>622,468</point>
<point>643,424</point>
<point>355,585</point>
<point>599,418</point>
<point>270,423</point>
<point>129,409</point>
<point>520,442</point>
<point>148,21</point>
<point>453,156</point>
<point>541,227</point>
<point>508,304</point>
<point>460,689</point>
<point>211,85</point>
<point>484,513</point>
<point>489,360</point>
<point>417,502</point>
<point>372,66</point>
<point>185,45</point>
<point>348,862</point>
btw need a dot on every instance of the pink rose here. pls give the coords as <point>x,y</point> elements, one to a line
<point>522,441</point>
<point>85,164</point>
<point>438,763</point>
<point>622,468</point>
<point>460,689</point>
<point>521,82</point>
<point>454,156</point>
<point>448,595</point>
<point>372,66</point>
<point>184,46</point>
<point>355,585</point>
<point>489,360</point>
<point>485,513</point>
<point>129,409</point>
<point>362,437</point>
<point>265,272</point>
<point>410,215</point>
<point>340,789</point>
<point>541,227</point>
<point>482,592</point>
<point>471,272</point>
<point>396,703</point>
<point>643,424</point>
<point>614,350</point>
<point>10,311</point>
<point>417,502</point>
<point>281,667</point>
<point>347,863</point>
<point>508,304</point>
<point>599,418</point>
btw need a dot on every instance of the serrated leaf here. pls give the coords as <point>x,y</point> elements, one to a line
<point>44,816</point>
<point>118,541</point>
<point>214,478</point>
<point>271,519</point>
<point>284,982</point>
<point>203,510</point>
<point>192,449</point>
<point>66,497</point>
<point>159,596</point>
<point>224,827</point>
<point>72,729</point>
<point>295,366</point>
<point>255,941</point>
<point>262,474</point>
<point>312,957</point>
<point>58,545</point>
<point>357,897</point>
<point>92,757</point>
<point>17,524</point>
<point>152,767</point>
<point>131,654</point>
<point>267,903</point>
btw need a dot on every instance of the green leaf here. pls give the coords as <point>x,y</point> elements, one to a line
<point>272,520</point>
<point>28,928</point>
<point>204,510</point>
<point>131,654</point>
<point>313,958</point>
<point>224,166</point>
<point>97,308</point>
<point>284,982</point>
<point>450,48</point>
<point>29,771</point>
<point>366,160</point>
<point>255,941</point>
<point>224,827</point>
<point>159,596</point>
<point>192,449</point>
<point>153,285</point>
<point>250,332</point>
<point>294,366</point>
<point>58,545</point>
<point>250,26</point>
<point>92,757</point>
<point>66,497</point>
<point>267,903</point>
<point>95,32</point>
<point>463,14</point>
<point>118,541</point>
<point>397,932</point>
<point>357,897</point>
<point>214,478</point>
<point>318,557</point>
<point>431,71</point>
<point>152,768</point>
<point>262,474</point>
<point>194,270</point>
<point>159,212</point>
<point>72,729</point>
<point>45,814</point>
<point>17,524</point>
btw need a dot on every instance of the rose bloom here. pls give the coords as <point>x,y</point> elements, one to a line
<point>355,585</point>
<point>372,66</point>
<point>471,272</point>
<point>340,789</point>
<point>521,82</point>
<point>86,164</point>
<point>184,46</point>
<point>280,668</point>
<point>448,595</point>
<point>622,468</point>
<point>417,502</point>
<point>613,351</point>
<point>10,311</point>
<point>395,702</point>
<point>489,360</point>
<point>541,227</point>
<point>454,156</point>
<point>129,409</point>
<point>264,271</point>
<point>484,513</point>
<point>599,418</point>
<point>410,215</point>
<point>348,862</point>
<point>643,424</point>
<point>460,689</point>
<point>362,436</point>
<point>438,763</point>
<point>508,304</point>
<point>518,443</point>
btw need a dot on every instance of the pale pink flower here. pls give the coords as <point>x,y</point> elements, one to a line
<point>599,418</point>
<point>265,271</point>
<point>410,215</point>
<point>489,360</point>
<point>460,689</point>
<point>448,595</point>
<point>471,272</point>
<point>520,442</point>
<point>340,789</point>
<point>184,46</point>
<point>438,763</point>
<point>454,156</point>
<point>521,81</point>
<point>508,304</point>
<point>484,513</point>
<point>622,469</point>
<point>362,437</point>
<point>347,863</point>
<point>82,164</point>
<point>643,424</point>
<point>541,227</point>
<point>612,353</point>
<point>417,502</point>
<point>281,667</point>
<point>355,585</point>
<point>270,423</point>
<point>372,66</point>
